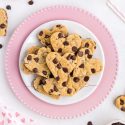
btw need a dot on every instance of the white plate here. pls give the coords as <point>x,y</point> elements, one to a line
<point>73,27</point>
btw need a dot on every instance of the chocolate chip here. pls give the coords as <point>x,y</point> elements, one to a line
<point>76,79</point>
<point>65,69</point>
<point>58,25</point>
<point>69,91</point>
<point>44,72</point>
<point>41,33</point>
<point>51,75</point>
<point>68,57</point>
<point>42,81</point>
<point>121,102</point>
<point>73,57</point>
<point>94,47</point>
<point>36,52</point>
<point>89,123</point>
<point>87,45</point>
<point>123,109</point>
<point>47,36</point>
<point>2,26</point>
<point>29,57</point>
<point>60,35</point>
<point>80,53</point>
<point>35,70</point>
<point>89,56</point>
<point>64,84</point>
<point>57,78</point>
<point>81,66</point>
<point>55,61</point>
<point>36,59</point>
<point>71,74</point>
<point>118,123</point>
<point>55,88</point>
<point>51,90</point>
<point>87,51</point>
<point>93,70</point>
<point>86,78</point>
<point>1,46</point>
<point>8,7</point>
<point>59,66</point>
<point>65,43</point>
<point>47,43</point>
<point>31,2</point>
<point>74,49</point>
<point>60,50</point>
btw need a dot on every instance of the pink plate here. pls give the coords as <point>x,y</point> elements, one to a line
<point>67,13</point>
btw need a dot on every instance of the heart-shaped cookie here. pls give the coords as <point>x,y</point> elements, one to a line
<point>65,44</point>
<point>61,66</point>
<point>33,63</point>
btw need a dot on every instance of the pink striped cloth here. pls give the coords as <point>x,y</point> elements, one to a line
<point>118,7</point>
<point>10,117</point>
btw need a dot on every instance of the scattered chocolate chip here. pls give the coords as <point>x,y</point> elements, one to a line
<point>29,57</point>
<point>81,66</point>
<point>86,78</point>
<point>64,84</point>
<point>47,36</point>
<point>87,45</point>
<point>94,47</point>
<point>59,66</point>
<point>118,123</point>
<point>121,102</point>
<point>51,75</point>
<point>35,70</point>
<point>42,81</point>
<point>87,51</point>
<point>8,7</point>
<point>71,74</point>
<point>60,50</point>
<point>55,88</point>
<point>31,2</point>
<point>123,109</point>
<point>2,26</point>
<point>41,33</point>
<point>73,57</point>
<point>1,46</point>
<point>65,69</point>
<point>55,61</point>
<point>76,79</point>
<point>60,35</point>
<point>69,91</point>
<point>89,56</point>
<point>44,72</point>
<point>80,53</point>
<point>74,49</point>
<point>65,43</point>
<point>57,78</point>
<point>36,59</point>
<point>58,25</point>
<point>93,70</point>
<point>68,57</point>
<point>89,123</point>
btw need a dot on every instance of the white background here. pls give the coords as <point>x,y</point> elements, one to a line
<point>106,112</point>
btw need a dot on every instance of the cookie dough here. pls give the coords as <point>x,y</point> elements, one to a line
<point>3,22</point>
<point>120,103</point>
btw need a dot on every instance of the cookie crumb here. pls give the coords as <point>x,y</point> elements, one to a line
<point>8,7</point>
<point>31,2</point>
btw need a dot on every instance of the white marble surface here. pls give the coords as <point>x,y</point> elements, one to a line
<point>106,112</point>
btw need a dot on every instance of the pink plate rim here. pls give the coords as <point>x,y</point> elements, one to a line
<point>53,13</point>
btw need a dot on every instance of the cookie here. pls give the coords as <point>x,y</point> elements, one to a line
<point>120,103</point>
<point>32,62</point>
<point>25,70</point>
<point>59,66</point>
<point>89,43</point>
<point>93,66</point>
<point>63,44</point>
<point>44,36</point>
<point>60,28</point>
<point>33,50</point>
<point>38,84</point>
<point>3,22</point>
